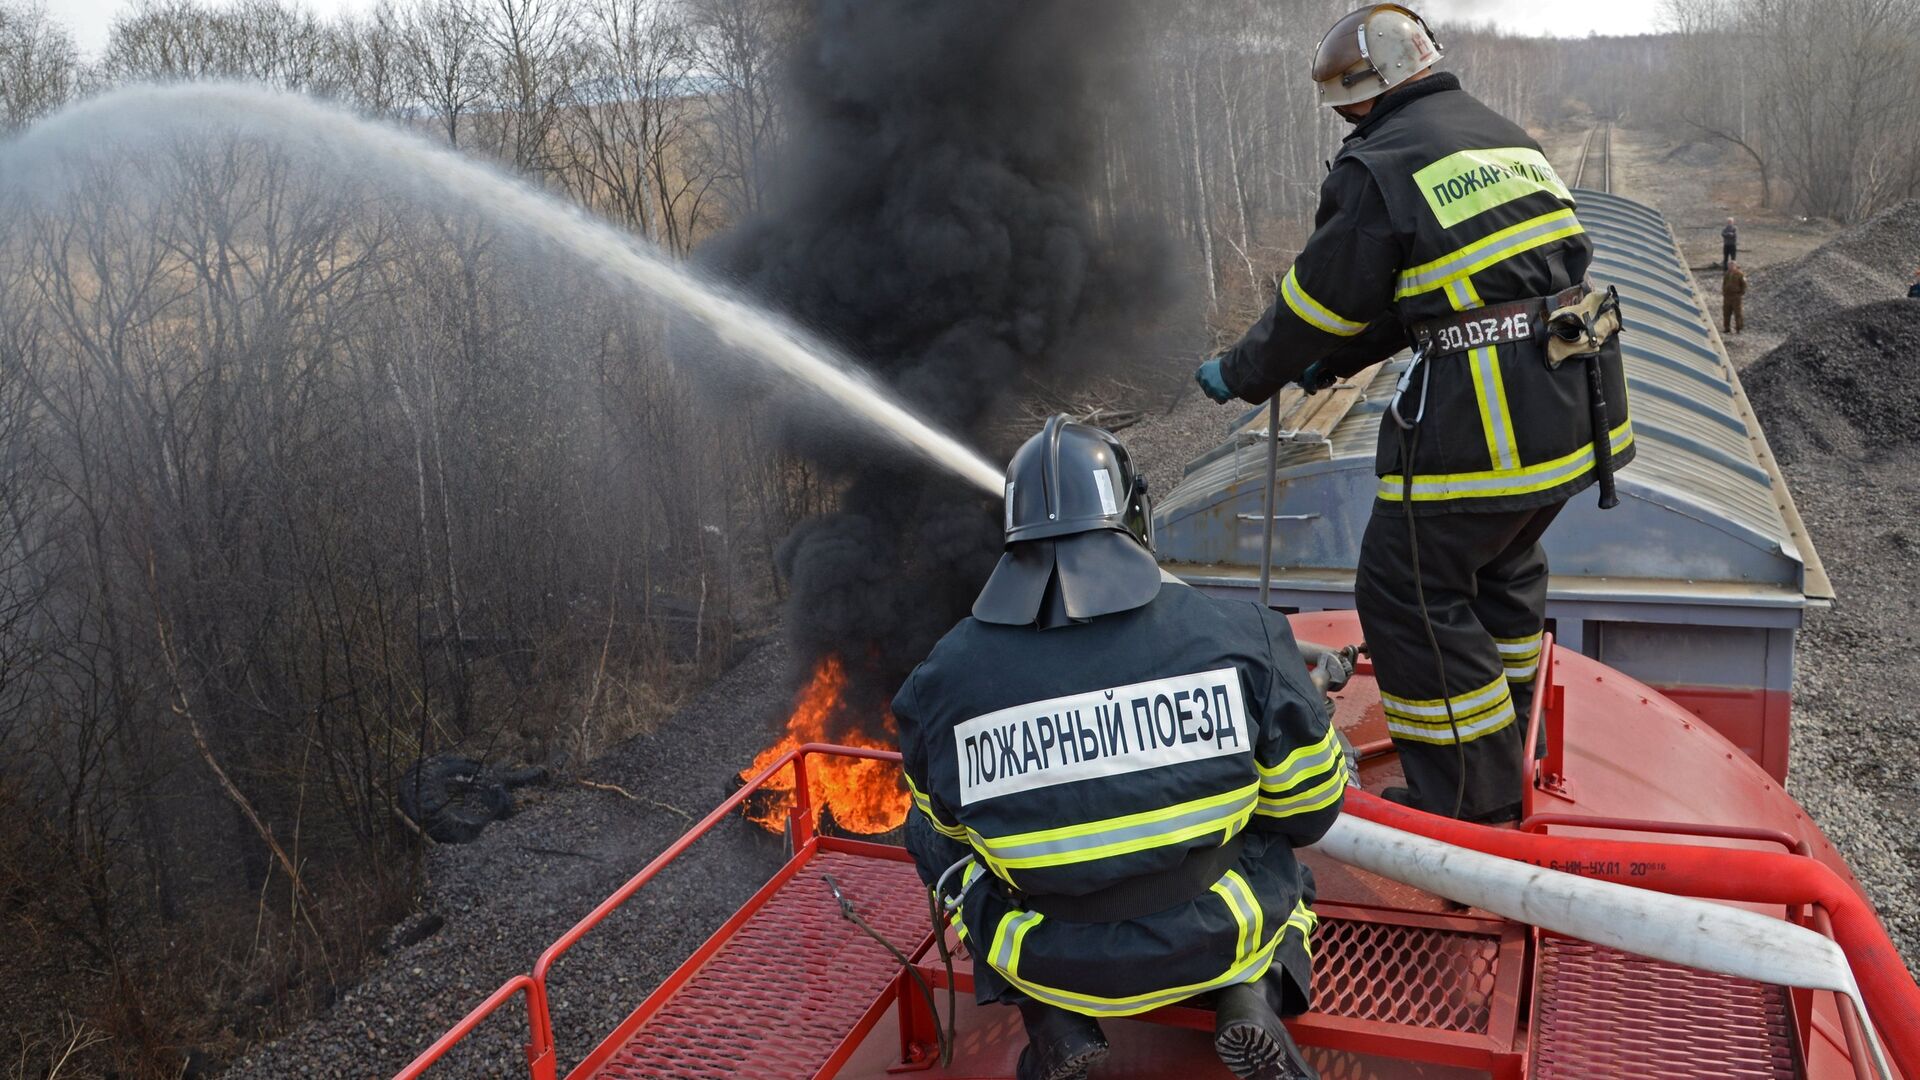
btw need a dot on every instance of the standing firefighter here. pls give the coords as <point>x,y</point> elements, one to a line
<point>1110,773</point>
<point>1442,225</point>
<point>1733,299</point>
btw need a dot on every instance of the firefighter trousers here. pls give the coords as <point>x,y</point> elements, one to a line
<point>1485,581</point>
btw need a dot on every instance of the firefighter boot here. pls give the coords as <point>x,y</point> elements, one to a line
<point>1061,1045</point>
<point>1250,1039</point>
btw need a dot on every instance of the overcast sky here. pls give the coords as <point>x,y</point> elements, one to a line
<point>1567,18</point>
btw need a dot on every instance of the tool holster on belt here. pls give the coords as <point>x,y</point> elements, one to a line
<point>1579,331</point>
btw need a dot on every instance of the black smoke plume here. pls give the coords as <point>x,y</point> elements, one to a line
<point>930,215</point>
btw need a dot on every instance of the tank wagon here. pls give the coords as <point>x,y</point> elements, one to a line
<point>1696,584</point>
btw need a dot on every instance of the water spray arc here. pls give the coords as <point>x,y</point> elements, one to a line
<point>335,139</point>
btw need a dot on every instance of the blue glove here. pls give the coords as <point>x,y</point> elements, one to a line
<point>1213,382</point>
<point>1315,378</point>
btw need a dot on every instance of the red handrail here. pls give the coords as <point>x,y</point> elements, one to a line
<point>542,1062</point>
<point>1759,877</point>
<point>536,1006</point>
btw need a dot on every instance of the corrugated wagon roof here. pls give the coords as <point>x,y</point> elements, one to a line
<point>1703,501</point>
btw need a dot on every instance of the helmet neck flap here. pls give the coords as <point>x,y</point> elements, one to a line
<point>1079,532</point>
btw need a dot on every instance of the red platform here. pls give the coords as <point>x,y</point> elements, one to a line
<point>1406,985</point>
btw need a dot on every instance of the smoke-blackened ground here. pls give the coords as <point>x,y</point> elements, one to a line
<point>930,216</point>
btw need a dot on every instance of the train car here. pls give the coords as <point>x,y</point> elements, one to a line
<point>1645,918</point>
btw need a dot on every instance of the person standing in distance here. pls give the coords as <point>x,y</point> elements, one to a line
<point>1441,225</point>
<point>1733,299</point>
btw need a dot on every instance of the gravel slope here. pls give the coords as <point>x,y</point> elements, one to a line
<point>529,878</point>
<point>1838,403</point>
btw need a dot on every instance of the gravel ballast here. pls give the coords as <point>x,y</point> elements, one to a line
<point>1871,261</point>
<point>1838,401</point>
<point>527,879</point>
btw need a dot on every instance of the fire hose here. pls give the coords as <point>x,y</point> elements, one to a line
<point>1499,871</point>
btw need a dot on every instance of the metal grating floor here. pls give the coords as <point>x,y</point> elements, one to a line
<point>1605,1013</point>
<point>1410,975</point>
<point>782,992</point>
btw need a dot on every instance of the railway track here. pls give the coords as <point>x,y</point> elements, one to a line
<point>1595,170</point>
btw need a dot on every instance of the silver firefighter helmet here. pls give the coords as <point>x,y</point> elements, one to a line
<point>1370,51</point>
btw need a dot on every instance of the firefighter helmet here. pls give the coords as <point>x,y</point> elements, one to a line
<point>1370,51</point>
<point>1079,532</point>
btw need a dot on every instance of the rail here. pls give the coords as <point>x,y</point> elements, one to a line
<point>1599,137</point>
<point>542,1059</point>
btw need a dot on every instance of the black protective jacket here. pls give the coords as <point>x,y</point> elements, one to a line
<point>1437,204</point>
<point>1069,761</point>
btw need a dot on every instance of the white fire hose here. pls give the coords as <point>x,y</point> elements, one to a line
<point>1676,929</point>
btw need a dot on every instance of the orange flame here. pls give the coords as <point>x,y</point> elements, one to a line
<point>865,796</point>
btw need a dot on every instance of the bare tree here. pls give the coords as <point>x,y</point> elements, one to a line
<point>37,64</point>
<point>445,47</point>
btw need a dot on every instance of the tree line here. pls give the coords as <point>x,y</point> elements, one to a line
<point>1821,97</point>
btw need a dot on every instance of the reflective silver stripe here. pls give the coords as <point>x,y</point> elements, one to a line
<point>1246,911</point>
<point>1009,933</point>
<point>1443,734</point>
<point>1482,253</point>
<point>1518,482</point>
<point>1245,971</point>
<point>1211,816</point>
<point>1292,772</point>
<point>1486,376</point>
<point>1317,797</point>
<point>1471,701</point>
<point>1313,312</point>
<point>1522,672</point>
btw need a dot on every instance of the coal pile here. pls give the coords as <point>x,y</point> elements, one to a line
<point>1846,386</point>
<point>1873,259</point>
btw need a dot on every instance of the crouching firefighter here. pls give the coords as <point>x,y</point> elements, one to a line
<point>1111,772</point>
<point>1442,226</point>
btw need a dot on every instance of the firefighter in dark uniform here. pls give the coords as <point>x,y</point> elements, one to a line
<point>1110,773</point>
<point>1442,226</point>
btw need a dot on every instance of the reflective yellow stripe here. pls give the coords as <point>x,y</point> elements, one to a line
<point>1318,797</point>
<point>1478,712</point>
<point>925,806</point>
<point>1500,482</point>
<point>1313,312</point>
<point>1304,920</point>
<point>1520,656</point>
<point>1442,734</point>
<point>1302,764</point>
<point>1246,967</point>
<point>1241,903</point>
<point>1487,251</point>
<point>1419,708</point>
<point>1489,390</point>
<point>1225,813</point>
<point>1471,182</point>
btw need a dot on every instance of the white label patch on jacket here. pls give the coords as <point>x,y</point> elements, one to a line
<point>1125,729</point>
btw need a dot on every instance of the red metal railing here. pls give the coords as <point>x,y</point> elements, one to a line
<point>542,1062</point>
<point>1713,873</point>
